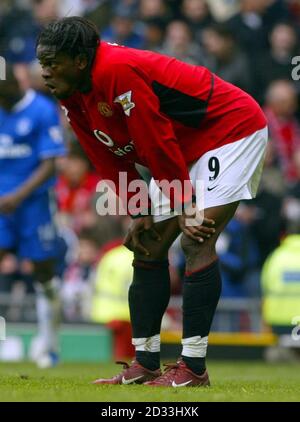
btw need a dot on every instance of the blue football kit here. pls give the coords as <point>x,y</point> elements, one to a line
<point>29,134</point>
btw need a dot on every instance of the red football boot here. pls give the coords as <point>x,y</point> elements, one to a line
<point>131,374</point>
<point>179,375</point>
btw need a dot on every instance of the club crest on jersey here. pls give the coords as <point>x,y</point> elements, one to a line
<point>105,109</point>
<point>125,101</point>
<point>23,127</point>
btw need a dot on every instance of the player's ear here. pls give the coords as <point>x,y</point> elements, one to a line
<point>81,61</point>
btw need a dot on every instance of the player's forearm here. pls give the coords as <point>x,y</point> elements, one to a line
<point>45,170</point>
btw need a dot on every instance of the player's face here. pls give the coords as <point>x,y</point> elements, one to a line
<point>60,71</point>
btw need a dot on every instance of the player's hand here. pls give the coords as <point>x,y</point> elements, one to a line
<point>9,203</point>
<point>138,227</point>
<point>198,232</point>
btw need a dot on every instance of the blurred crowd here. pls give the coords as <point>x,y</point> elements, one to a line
<point>249,43</point>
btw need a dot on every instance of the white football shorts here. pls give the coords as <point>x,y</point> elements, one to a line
<point>221,176</point>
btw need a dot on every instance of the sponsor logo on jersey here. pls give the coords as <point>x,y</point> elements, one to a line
<point>125,101</point>
<point>11,151</point>
<point>124,150</point>
<point>105,109</point>
<point>106,140</point>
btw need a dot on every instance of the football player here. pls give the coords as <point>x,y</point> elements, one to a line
<point>30,140</point>
<point>184,124</point>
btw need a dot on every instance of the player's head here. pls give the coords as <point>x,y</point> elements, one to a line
<point>66,50</point>
<point>10,91</point>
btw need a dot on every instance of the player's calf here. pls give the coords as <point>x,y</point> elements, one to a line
<point>201,290</point>
<point>149,292</point>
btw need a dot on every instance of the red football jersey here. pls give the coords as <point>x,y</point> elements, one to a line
<point>154,110</point>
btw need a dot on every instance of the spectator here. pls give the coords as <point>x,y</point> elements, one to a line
<point>23,28</point>
<point>197,15</point>
<point>277,11</point>
<point>238,255</point>
<point>248,24</point>
<point>277,62</point>
<point>281,284</point>
<point>294,10</point>
<point>224,57</point>
<point>269,200</point>
<point>223,10</point>
<point>284,129</point>
<point>122,30</point>
<point>178,43</point>
<point>79,278</point>
<point>154,9</point>
<point>110,304</point>
<point>74,7</point>
<point>76,187</point>
<point>154,32</point>
<point>291,207</point>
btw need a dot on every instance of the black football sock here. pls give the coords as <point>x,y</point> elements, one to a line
<point>149,360</point>
<point>201,293</point>
<point>149,296</point>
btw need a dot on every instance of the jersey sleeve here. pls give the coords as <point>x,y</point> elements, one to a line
<point>109,167</point>
<point>152,133</point>
<point>50,137</point>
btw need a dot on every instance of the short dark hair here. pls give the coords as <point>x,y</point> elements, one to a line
<point>223,30</point>
<point>72,35</point>
<point>90,234</point>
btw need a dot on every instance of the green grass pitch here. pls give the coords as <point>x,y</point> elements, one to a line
<point>231,381</point>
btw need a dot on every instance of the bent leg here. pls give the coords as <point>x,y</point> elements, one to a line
<point>149,293</point>
<point>201,290</point>
<point>168,230</point>
<point>200,255</point>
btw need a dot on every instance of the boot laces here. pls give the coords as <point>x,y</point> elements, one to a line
<point>169,373</point>
<point>125,367</point>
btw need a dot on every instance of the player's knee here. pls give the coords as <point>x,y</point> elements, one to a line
<point>193,249</point>
<point>189,246</point>
<point>156,254</point>
<point>157,249</point>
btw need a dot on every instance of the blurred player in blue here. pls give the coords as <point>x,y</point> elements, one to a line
<point>30,140</point>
